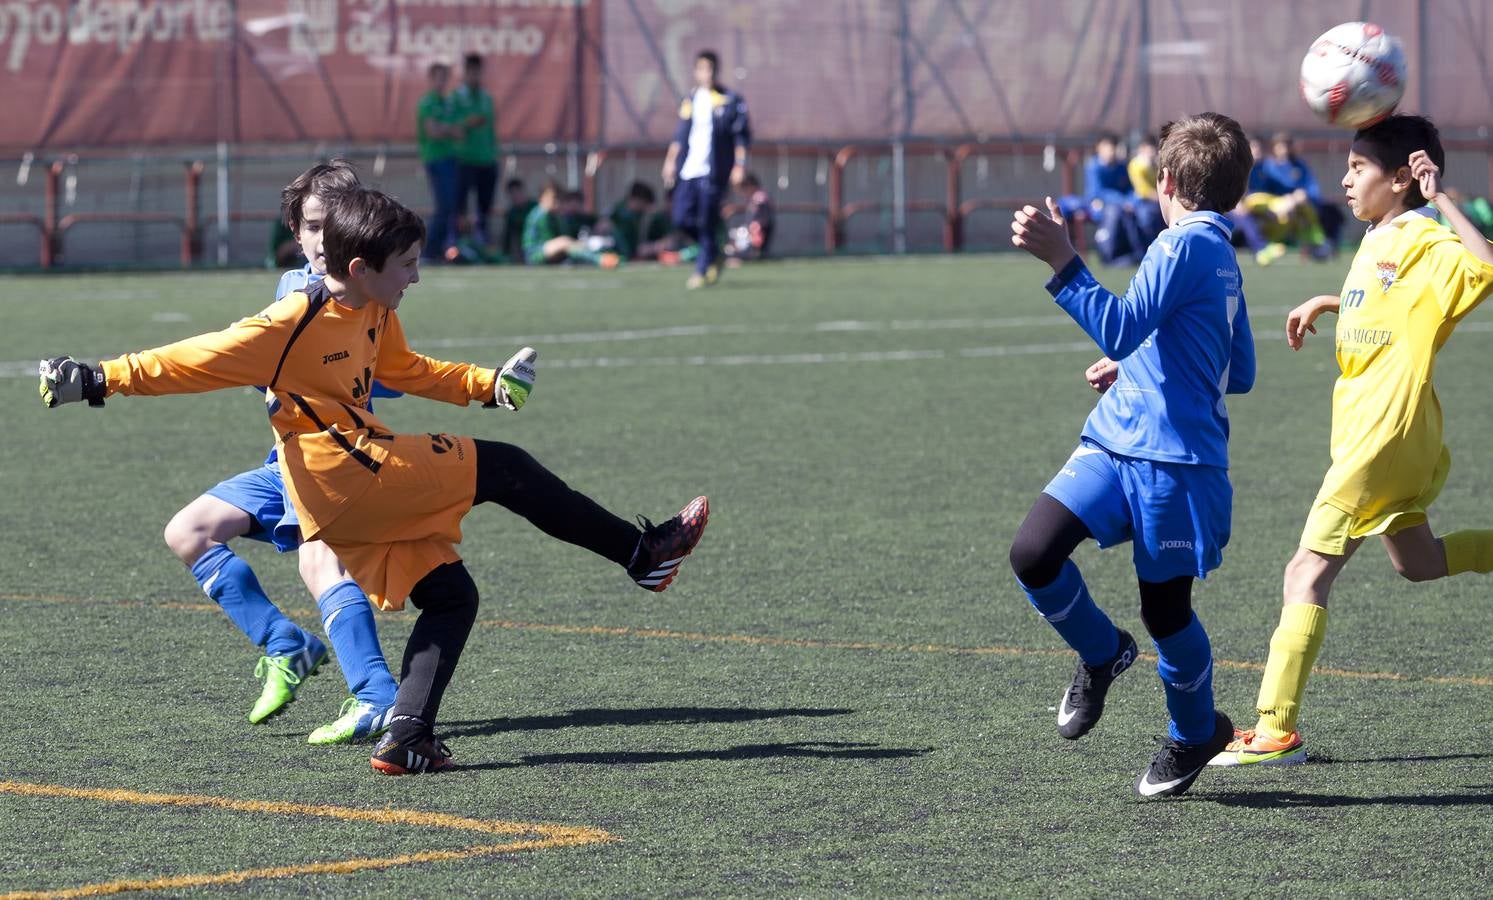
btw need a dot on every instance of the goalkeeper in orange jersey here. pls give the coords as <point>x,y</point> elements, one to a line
<point>1412,281</point>
<point>389,505</point>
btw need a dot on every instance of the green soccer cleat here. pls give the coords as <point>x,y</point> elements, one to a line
<point>357,723</point>
<point>282,677</point>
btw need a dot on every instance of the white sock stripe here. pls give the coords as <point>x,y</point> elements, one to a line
<point>1192,686</point>
<point>207,586</point>
<point>1063,613</point>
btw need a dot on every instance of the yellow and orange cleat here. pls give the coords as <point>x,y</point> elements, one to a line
<point>1257,748</point>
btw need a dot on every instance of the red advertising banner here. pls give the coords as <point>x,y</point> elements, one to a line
<point>81,73</point>
<point>88,73</point>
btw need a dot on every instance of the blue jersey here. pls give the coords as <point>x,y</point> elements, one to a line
<point>1108,183</point>
<point>295,280</point>
<point>1283,178</point>
<point>1182,338</point>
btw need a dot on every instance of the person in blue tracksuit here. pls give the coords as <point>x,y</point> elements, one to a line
<point>707,154</point>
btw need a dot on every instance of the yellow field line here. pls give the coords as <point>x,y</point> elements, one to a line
<point>805,643</point>
<point>551,836</point>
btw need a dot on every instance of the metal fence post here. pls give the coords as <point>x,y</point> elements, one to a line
<point>899,197</point>
<point>223,234</point>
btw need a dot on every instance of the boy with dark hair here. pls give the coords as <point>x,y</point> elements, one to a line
<point>1152,463</point>
<point>254,504</point>
<point>520,204</point>
<point>390,505</point>
<point>708,152</point>
<point>1411,282</point>
<point>575,220</point>
<point>629,221</point>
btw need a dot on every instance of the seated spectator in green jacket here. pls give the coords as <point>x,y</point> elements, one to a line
<point>575,220</point>
<point>545,241</point>
<point>519,205</point>
<point>639,232</point>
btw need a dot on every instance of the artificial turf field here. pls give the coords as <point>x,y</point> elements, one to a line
<point>843,692</point>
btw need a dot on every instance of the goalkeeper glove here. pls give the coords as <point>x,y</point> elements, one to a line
<point>515,380</point>
<point>65,380</point>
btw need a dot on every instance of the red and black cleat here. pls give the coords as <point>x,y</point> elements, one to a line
<point>664,546</point>
<point>411,757</point>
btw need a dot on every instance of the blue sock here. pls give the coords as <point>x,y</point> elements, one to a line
<point>347,618</point>
<point>1186,668</point>
<point>1067,607</point>
<point>233,586</point>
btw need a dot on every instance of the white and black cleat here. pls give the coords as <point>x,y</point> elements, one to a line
<point>1083,702</point>
<point>1177,765</point>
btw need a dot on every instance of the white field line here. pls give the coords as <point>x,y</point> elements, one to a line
<point>27,368</point>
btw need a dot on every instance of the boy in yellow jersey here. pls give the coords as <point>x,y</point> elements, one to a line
<point>389,505</point>
<point>1411,282</point>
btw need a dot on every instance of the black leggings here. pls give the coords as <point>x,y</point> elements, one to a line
<point>1048,537</point>
<point>447,600</point>
<point>511,478</point>
<point>447,597</point>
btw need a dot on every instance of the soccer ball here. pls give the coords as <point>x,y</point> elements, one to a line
<point>1353,75</point>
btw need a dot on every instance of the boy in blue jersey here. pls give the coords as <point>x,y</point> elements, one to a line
<point>254,504</point>
<point>1152,462</point>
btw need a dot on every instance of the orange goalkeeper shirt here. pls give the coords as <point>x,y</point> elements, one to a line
<point>318,360</point>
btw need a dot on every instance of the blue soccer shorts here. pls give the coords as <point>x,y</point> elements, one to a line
<point>261,493</point>
<point>1176,515</point>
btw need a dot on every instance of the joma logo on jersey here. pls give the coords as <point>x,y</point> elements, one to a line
<point>1387,273</point>
<point>333,357</point>
<point>440,443</point>
<point>1176,545</point>
<point>1352,299</point>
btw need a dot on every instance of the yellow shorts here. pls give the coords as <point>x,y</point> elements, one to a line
<point>1329,529</point>
<point>409,522</point>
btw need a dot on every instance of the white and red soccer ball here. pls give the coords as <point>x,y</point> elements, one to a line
<point>1353,75</point>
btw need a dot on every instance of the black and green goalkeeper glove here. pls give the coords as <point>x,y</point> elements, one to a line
<point>515,380</point>
<point>65,380</point>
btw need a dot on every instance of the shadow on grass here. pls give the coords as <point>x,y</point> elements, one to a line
<point>664,715</point>
<point>810,749</point>
<point>1323,759</point>
<point>1295,800</point>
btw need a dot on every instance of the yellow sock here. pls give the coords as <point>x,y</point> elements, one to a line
<point>1293,649</point>
<point>1468,551</point>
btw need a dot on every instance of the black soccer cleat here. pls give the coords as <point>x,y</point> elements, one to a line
<point>412,756</point>
<point>664,546</point>
<point>1083,702</point>
<point>1178,765</point>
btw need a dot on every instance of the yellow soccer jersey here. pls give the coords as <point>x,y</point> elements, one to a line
<point>318,360</point>
<point>1411,282</point>
<point>1142,177</point>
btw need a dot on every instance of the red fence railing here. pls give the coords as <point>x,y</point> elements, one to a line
<point>836,211</point>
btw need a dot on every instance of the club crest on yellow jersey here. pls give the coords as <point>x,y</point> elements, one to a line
<point>1387,272</point>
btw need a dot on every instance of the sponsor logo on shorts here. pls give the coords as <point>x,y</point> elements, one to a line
<point>1176,545</point>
